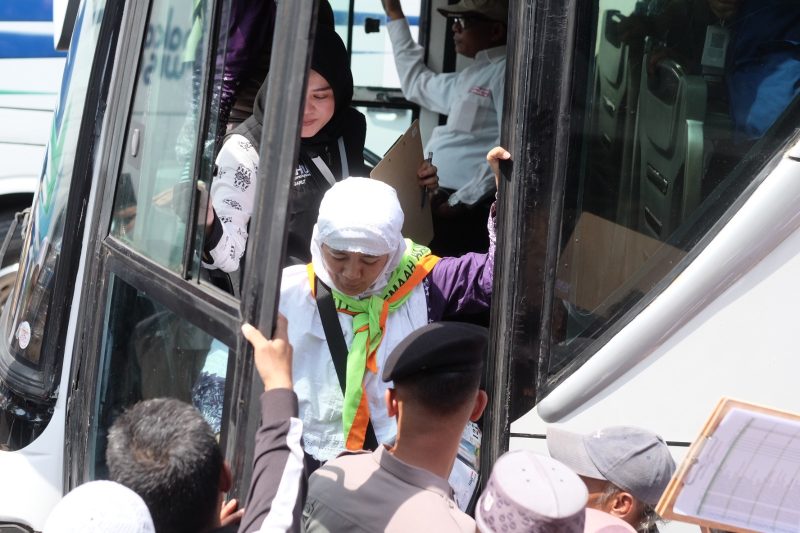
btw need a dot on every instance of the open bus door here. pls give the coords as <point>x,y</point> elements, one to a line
<point>110,306</point>
<point>158,328</point>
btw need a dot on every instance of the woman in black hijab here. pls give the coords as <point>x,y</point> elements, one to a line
<point>331,149</point>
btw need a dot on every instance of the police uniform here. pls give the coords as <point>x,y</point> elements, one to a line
<point>376,491</point>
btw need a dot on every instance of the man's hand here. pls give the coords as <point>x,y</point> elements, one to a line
<point>230,513</point>
<point>273,358</point>
<point>427,177</point>
<point>393,9</point>
<point>493,157</point>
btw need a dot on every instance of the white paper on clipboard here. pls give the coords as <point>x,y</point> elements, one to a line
<point>398,168</point>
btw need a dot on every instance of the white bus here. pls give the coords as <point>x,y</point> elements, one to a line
<point>30,79</point>
<point>648,243</point>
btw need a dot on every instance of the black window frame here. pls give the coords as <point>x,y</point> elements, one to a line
<point>550,43</point>
<point>217,313</point>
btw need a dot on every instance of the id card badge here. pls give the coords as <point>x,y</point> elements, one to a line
<point>715,47</point>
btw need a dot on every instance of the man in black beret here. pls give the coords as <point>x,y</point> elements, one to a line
<point>436,373</point>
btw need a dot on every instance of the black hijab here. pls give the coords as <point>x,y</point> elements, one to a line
<point>329,59</point>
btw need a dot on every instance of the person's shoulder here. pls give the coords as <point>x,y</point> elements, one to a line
<point>347,463</point>
<point>295,283</point>
<point>350,458</point>
<point>295,275</point>
<point>235,148</point>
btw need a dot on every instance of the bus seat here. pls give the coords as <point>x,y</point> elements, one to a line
<point>616,93</point>
<point>672,109</point>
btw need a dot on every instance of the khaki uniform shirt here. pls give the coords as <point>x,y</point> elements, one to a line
<point>375,491</point>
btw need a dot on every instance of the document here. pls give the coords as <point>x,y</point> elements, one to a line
<point>743,473</point>
<point>398,168</point>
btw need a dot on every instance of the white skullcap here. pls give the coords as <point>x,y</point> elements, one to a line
<point>359,215</point>
<point>532,493</point>
<point>100,506</point>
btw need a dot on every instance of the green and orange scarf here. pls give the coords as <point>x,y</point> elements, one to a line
<point>369,320</point>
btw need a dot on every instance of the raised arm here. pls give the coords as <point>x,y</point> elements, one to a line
<point>279,482</point>
<point>420,84</point>
<point>463,285</point>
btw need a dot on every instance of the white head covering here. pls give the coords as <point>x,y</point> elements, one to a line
<point>359,215</point>
<point>100,506</point>
<point>532,493</point>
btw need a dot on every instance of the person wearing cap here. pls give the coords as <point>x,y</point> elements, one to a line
<point>531,492</point>
<point>434,376</point>
<point>99,507</point>
<point>626,469</point>
<point>472,99</point>
<point>383,288</point>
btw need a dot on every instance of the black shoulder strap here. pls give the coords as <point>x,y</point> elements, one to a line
<point>338,347</point>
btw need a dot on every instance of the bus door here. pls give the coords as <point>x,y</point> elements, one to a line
<point>111,305</point>
<point>155,326</point>
<point>638,130</point>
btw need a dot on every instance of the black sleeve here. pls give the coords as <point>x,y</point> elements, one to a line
<point>279,483</point>
<point>355,135</point>
<point>213,234</point>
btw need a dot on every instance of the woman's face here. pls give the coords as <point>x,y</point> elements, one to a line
<point>320,105</point>
<point>352,272</point>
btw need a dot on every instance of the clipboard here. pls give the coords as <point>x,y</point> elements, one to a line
<point>398,168</point>
<point>700,456</point>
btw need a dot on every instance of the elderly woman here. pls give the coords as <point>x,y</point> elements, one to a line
<point>383,288</point>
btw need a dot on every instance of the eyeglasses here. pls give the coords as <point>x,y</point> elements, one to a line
<point>466,22</point>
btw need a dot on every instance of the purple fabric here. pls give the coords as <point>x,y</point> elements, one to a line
<point>250,30</point>
<point>462,284</point>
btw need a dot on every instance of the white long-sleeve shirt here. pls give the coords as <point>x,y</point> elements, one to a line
<point>233,197</point>
<point>473,102</point>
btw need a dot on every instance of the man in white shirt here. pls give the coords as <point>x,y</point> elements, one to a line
<point>473,101</point>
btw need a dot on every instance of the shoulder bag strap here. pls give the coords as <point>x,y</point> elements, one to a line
<point>337,346</point>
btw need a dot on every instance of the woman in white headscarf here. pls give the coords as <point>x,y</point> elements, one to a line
<point>384,287</point>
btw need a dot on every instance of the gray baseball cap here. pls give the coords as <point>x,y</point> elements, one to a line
<point>631,458</point>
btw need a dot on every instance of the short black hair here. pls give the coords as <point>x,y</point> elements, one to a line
<point>167,453</point>
<point>440,393</point>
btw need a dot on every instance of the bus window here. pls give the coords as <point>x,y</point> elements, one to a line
<point>29,356</point>
<point>377,86</point>
<point>150,352</point>
<point>371,58</point>
<point>150,210</point>
<point>684,106</point>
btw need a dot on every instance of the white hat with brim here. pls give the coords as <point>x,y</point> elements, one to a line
<point>496,10</point>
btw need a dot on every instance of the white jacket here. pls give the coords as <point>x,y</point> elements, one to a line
<point>315,380</point>
<point>473,101</point>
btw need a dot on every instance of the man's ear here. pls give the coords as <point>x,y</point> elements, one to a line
<point>623,505</point>
<point>498,34</point>
<point>391,402</point>
<point>481,399</point>
<point>225,478</point>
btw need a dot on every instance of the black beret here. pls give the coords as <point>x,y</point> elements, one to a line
<point>438,347</point>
